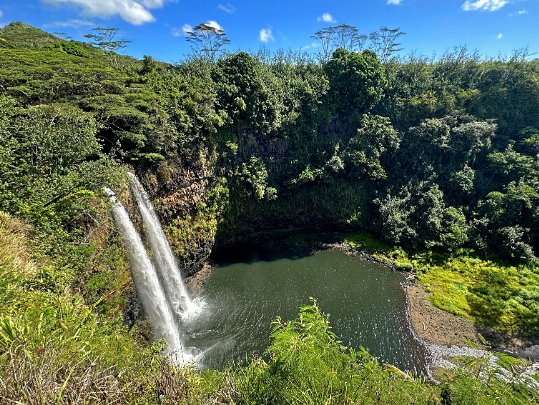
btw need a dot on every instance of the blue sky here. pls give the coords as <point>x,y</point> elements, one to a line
<point>156,27</point>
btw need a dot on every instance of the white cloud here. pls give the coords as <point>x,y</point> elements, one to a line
<point>266,35</point>
<point>152,3</point>
<point>133,11</point>
<point>326,17</point>
<point>487,5</point>
<point>214,24</point>
<point>499,36</point>
<point>227,8</point>
<point>73,23</point>
<point>180,32</point>
<point>310,46</point>
<point>394,2</point>
<point>1,13</point>
<point>187,28</point>
<point>519,12</point>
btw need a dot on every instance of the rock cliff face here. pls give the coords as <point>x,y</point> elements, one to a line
<point>206,204</point>
<point>180,194</point>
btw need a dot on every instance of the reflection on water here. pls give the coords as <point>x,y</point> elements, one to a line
<point>365,303</point>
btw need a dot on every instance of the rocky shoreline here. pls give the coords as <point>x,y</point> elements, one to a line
<point>447,337</point>
<point>437,326</point>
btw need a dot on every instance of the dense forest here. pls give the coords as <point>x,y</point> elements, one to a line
<point>433,164</point>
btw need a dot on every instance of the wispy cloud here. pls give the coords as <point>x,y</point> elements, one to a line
<point>519,12</point>
<point>214,24</point>
<point>1,13</point>
<point>486,5</point>
<point>227,8</point>
<point>310,46</point>
<point>183,31</point>
<point>186,28</point>
<point>135,12</point>
<point>499,36</point>
<point>394,2</point>
<point>265,35</point>
<point>73,23</point>
<point>327,18</point>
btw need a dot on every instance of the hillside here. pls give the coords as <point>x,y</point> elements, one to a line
<point>20,35</point>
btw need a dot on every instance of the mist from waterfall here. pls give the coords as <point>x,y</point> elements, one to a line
<point>161,304</point>
<point>167,268</point>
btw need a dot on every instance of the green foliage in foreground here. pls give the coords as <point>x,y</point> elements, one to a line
<point>308,365</point>
<point>54,346</point>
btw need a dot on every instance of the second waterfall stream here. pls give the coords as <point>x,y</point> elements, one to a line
<point>167,268</point>
<point>157,277</point>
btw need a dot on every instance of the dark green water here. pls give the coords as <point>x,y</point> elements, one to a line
<point>365,303</point>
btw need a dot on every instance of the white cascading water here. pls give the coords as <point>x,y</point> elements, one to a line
<point>150,292</point>
<point>166,265</point>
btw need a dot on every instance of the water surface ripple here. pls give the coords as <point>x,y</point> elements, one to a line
<point>365,302</point>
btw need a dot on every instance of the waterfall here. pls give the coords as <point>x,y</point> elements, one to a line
<point>152,295</point>
<point>167,268</point>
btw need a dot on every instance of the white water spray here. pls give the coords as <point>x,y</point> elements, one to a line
<point>167,268</point>
<point>151,294</point>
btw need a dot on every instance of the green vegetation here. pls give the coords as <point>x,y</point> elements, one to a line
<point>308,365</point>
<point>437,158</point>
<point>503,297</point>
<point>60,344</point>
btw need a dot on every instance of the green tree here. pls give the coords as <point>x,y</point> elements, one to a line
<point>357,82</point>
<point>385,42</point>
<point>207,41</point>
<point>507,222</point>
<point>418,216</point>
<point>251,95</point>
<point>509,165</point>
<point>508,92</point>
<point>105,38</point>
<point>375,136</point>
<point>341,36</point>
<point>528,142</point>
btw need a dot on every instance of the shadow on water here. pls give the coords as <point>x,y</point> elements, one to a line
<point>295,247</point>
<point>252,285</point>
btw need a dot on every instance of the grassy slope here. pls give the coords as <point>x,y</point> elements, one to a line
<point>18,34</point>
<point>51,338</point>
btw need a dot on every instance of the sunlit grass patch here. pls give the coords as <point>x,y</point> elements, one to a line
<point>365,241</point>
<point>503,297</point>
